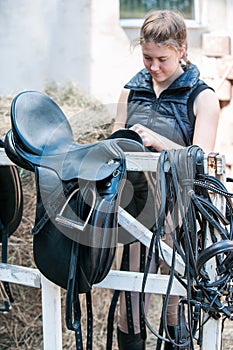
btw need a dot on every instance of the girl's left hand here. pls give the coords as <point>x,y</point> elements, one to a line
<point>146,134</point>
<point>154,140</point>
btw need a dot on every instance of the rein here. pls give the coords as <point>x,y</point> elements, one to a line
<point>184,210</point>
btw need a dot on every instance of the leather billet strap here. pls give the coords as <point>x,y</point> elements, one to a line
<point>125,267</point>
<point>73,309</point>
<point>110,321</point>
<point>141,295</point>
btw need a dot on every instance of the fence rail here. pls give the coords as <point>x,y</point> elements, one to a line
<point>121,280</point>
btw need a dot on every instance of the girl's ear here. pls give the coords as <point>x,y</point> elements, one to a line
<point>182,51</point>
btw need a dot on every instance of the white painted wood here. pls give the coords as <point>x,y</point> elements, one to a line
<point>132,281</point>
<point>212,335</point>
<point>147,161</point>
<point>140,232</point>
<point>212,329</point>
<point>51,300</point>
<point>4,160</point>
<point>141,161</point>
<point>32,278</point>
<point>51,313</point>
<point>20,275</point>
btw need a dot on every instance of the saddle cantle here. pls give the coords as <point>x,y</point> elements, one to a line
<point>78,193</point>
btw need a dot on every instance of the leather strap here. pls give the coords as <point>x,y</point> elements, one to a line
<point>125,266</point>
<point>110,323</point>
<point>6,285</point>
<point>73,311</point>
<point>142,295</point>
<point>89,342</point>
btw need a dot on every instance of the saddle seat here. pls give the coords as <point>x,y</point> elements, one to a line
<point>45,139</point>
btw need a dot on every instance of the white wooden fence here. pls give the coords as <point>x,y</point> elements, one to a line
<point>120,280</point>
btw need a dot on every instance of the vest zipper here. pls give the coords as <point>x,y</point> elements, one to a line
<point>154,109</point>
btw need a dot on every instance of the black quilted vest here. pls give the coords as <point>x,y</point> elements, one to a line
<point>170,115</point>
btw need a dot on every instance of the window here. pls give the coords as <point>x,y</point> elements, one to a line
<point>136,9</point>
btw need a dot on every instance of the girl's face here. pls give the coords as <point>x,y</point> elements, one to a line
<point>162,61</point>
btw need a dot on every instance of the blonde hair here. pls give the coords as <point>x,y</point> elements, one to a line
<point>165,27</point>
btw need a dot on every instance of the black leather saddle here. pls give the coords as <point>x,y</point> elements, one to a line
<point>11,209</point>
<point>78,193</point>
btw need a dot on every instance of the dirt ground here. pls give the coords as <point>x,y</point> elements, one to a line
<point>21,328</point>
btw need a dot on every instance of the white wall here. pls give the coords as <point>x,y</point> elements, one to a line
<point>42,41</point>
<point>81,41</point>
<point>58,40</point>
<point>112,60</point>
<point>25,28</point>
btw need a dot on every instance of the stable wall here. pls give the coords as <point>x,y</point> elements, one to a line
<point>81,41</point>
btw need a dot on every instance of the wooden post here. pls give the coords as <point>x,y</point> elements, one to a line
<point>51,300</point>
<point>212,329</point>
<point>51,312</point>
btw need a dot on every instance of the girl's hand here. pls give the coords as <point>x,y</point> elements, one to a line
<point>147,135</point>
<point>152,139</point>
